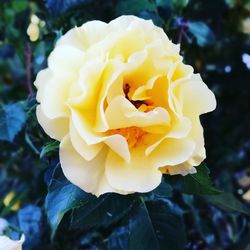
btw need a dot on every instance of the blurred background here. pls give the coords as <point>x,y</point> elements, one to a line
<point>215,40</point>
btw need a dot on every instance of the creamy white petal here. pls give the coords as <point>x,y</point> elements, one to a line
<point>87,87</point>
<point>111,76</point>
<point>83,125</point>
<point>88,175</point>
<point>88,152</point>
<point>118,144</point>
<point>54,99</point>
<point>85,36</point>
<point>122,113</point>
<point>65,61</point>
<point>7,244</point>
<point>179,129</point>
<point>56,128</point>
<point>138,175</point>
<point>180,71</point>
<point>182,169</point>
<point>172,152</point>
<point>83,122</point>
<point>42,79</point>
<point>196,97</point>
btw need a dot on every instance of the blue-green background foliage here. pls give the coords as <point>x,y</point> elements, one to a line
<point>195,212</point>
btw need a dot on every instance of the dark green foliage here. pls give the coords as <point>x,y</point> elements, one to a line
<point>30,221</point>
<point>62,197</point>
<point>203,34</point>
<point>102,211</point>
<point>58,7</point>
<point>227,202</point>
<point>198,183</point>
<point>49,149</point>
<point>158,226</point>
<point>12,119</point>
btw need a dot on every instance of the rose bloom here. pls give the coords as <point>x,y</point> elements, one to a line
<point>7,244</point>
<point>123,105</point>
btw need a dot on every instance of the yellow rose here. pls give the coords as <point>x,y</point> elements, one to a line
<point>123,105</point>
<point>7,244</point>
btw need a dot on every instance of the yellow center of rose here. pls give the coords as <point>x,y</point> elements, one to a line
<point>133,135</point>
<point>143,106</point>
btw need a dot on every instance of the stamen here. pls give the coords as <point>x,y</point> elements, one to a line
<point>132,134</point>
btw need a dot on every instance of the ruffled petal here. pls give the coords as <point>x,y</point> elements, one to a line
<point>42,79</point>
<point>56,128</point>
<point>54,99</point>
<point>172,152</point>
<point>86,90</point>
<point>83,122</point>
<point>85,36</point>
<point>196,97</point>
<point>88,152</point>
<point>111,76</point>
<point>138,175</point>
<point>180,129</point>
<point>65,62</point>
<point>87,175</point>
<point>121,114</point>
<point>119,145</point>
<point>182,169</point>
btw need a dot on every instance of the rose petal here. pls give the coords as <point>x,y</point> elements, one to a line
<point>111,76</point>
<point>82,124</point>
<point>180,129</point>
<point>121,114</point>
<point>88,152</point>
<point>85,36</point>
<point>42,79</point>
<point>65,62</point>
<point>196,97</point>
<point>118,144</point>
<point>182,169</point>
<point>53,102</point>
<point>138,175</point>
<point>172,152</point>
<point>88,175</point>
<point>56,128</point>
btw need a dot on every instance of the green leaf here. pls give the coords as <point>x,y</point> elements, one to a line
<point>133,7</point>
<point>164,3</point>
<point>58,7</point>
<point>118,239</point>
<point>180,4</point>
<point>62,197</point>
<point>231,3</point>
<point>199,183</point>
<point>203,34</point>
<point>158,226</point>
<point>177,4</point>
<point>163,190</point>
<point>19,5</point>
<point>102,211</point>
<point>12,119</point>
<point>227,202</point>
<point>49,148</point>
